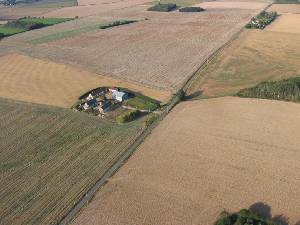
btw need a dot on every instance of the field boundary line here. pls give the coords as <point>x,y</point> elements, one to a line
<point>85,199</point>
<point>214,55</point>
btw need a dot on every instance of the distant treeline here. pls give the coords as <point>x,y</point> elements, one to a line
<point>288,90</point>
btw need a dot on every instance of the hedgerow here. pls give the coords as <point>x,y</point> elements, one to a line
<point>288,90</point>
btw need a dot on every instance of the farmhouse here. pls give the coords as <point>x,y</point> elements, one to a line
<point>89,97</point>
<point>120,96</point>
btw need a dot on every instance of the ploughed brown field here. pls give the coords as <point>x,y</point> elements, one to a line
<point>151,51</point>
<point>161,52</point>
<point>44,82</point>
<point>207,156</point>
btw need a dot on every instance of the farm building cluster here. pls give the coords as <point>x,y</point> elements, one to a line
<point>102,100</point>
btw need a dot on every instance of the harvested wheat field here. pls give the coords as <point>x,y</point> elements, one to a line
<point>285,8</point>
<point>89,9</point>
<point>254,57</point>
<point>288,23</point>
<point>38,81</point>
<point>207,156</point>
<point>149,51</point>
<point>233,5</point>
<point>49,157</point>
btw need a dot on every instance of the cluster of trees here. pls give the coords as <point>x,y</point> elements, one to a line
<point>191,9</point>
<point>288,90</point>
<point>9,2</point>
<point>243,217</point>
<point>262,20</point>
<point>163,7</point>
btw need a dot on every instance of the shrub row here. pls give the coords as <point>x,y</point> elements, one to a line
<point>243,217</point>
<point>288,90</point>
<point>128,116</point>
<point>191,9</point>
<point>262,20</point>
<point>116,23</point>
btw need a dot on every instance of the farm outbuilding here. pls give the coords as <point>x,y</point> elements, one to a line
<point>120,96</point>
<point>104,107</point>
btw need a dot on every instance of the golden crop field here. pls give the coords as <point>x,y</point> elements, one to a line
<point>254,57</point>
<point>285,8</point>
<point>204,157</point>
<point>50,156</point>
<point>287,23</point>
<point>44,82</point>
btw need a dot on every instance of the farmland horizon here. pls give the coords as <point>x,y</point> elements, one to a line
<point>138,112</point>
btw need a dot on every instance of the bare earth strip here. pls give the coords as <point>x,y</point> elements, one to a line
<point>38,81</point>
<point>288,23</point>
<point>206,156</point>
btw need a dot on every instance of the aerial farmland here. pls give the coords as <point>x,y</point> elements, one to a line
<point>144,112</point>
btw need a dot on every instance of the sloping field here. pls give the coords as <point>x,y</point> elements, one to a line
<point>207,156</point>
<point>285,8</point>
<point>50,156</point>
<point>254,57</point>
<point>150,51</point>
<point>33,9</point>
<point>93,9</point>
<point>232,5</point>
<point>38,81</point>
<point>288,23</point>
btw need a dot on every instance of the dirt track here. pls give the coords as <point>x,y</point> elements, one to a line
<point>206,156</point>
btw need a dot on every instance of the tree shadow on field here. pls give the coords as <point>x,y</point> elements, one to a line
<point>264,210</point>
<point>281,219</point>
<point>194,95</point>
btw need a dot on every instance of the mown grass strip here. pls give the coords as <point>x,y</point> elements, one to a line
<point>26,24</point>
<point>62,35</point>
